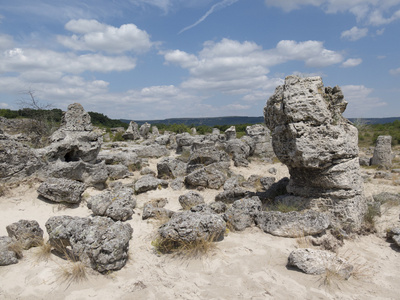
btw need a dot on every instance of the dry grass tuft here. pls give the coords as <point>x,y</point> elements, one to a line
<point>73,272</point>
<point>16,247</point>
<point>184,249</point>
<point>43,251</point>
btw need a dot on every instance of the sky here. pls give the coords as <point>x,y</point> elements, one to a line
<point>158,59</point>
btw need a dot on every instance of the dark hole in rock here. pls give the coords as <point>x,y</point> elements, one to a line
<point>71,156</point>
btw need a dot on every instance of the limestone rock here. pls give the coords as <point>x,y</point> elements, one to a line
<point>383,152</point>
<point>294,223</point>
<point>99,242</point>
<point>240,151</point>
<point>319,146</point>
<point>28,233</point>
<point>242,213</point>
<point>204,157</point>
<point>319,262</point>
<point>61,190</point>
<point>118,204</point>
<point>118,172</point>
<point>262,140</point>
<point>94,175</point>
<point>17,161</point>
<point>231,195</point>
<point>155,209</point>
<point>7,256</point>
<point>149,182</point>
<point>144,130</point>
<point>189,226</point>
<point>208,177</point>
<point>75,139</point>
<point>190,199</point>
<point>230,133</point>
<point>132,132</point>
<point>170,167</point>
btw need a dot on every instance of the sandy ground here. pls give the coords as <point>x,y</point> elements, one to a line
<point>245,265</point>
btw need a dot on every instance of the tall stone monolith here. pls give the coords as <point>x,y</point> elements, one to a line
<point>319,146</point>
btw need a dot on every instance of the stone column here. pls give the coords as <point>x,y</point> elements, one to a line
<point>383,152</point>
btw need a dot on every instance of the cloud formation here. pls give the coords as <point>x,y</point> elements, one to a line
<point>233,67</point>
<point>351,62</point>
<point>354,33</point>
<point>90,35</point>
<point>215,7</point>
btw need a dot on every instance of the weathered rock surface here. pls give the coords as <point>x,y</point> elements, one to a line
<point>190,226</point>
<point>294,223</point>
<point>118,204</point>
<point>204,157</point>
<point>61,190</point>
<point>240,151</point>
<point>75,139</point>
<point>17,161</point>
<point>190,199</point>
<point>118,171</point>
<point>148,183</point>
<point>262,140</point>
<point>7,256</point>
<point>26,232</point>
<point>144,130</point>
<point>242,213</point>
<point>319,146</point>
<point>170,167</point>
<point>319,262</point>
<point>383,152</point>
<point>230,133</point>
<point>231,195</point>
<point>99,242</point>
<point>208,177</point>
<point>155,209</point>
<point>94,175</point>
<point>132,133</point>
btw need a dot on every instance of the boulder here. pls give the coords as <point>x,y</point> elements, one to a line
<point>170,167</point>
<point>118,172</point>
<point>26,232</point>
<point>317,262</point>
<point>132,132</point>
<point>240,151</point>
<point>148,183</point>
<point>319,147</point>
<point>242,213</point>
<point>7,255</point>
<point>94,175</point>
<point>262,140</point>
<point>144,130</point>
<point>151,151</point>
<point>184,141</point>
<point>208,177</point>
<point>230,133</point>
<point>294,223</point>
<point>189,227</point>
<point>98,242</point>
<point>231,195</point>
<point>155,209</point>
<point>190,199</point>
<point>62,190</point>
<point>127,158</point>
<point>117,204</point>
<point>204,157</point>
<point>383,152</point>
<point>17,161</point>
<point>75,139</point>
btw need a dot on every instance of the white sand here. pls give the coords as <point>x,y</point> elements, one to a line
<point>245,265</point>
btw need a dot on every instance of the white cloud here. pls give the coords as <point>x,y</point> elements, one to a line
<point>4,105</point>
<point>360,101</point>
<point>28,60</point>
<point>352,62</point>
<point>94,36</point>
<point>238,68</point>
<point>354,33</point>
<point>380,31</point>
<point>395,71</point>
<point>371,11</point>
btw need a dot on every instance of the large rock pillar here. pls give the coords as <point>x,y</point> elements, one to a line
<point>319,146</point>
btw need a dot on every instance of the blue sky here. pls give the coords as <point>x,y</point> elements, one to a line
<point>156,59</point>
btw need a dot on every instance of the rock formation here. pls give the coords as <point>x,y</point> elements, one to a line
<point>75,139</point>
<point>319,146</point>
<point>383,152</point>
<point>132,133</point>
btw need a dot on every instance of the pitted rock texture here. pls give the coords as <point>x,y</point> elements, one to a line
<point>383,152</point>
<point>99,242</point>
<point>27,232</point>
<point>62,190</point>
<point>190,226</point>
<point>75,139</point>
<point>319,146</point>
